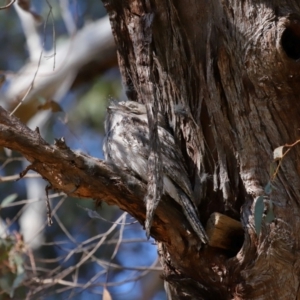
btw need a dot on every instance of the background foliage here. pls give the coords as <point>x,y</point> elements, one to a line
<point>84,252</point>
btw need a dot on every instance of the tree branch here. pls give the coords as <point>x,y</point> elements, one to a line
<point>95,53</point>
<point>80,175</point>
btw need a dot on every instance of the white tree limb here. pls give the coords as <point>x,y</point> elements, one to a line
<point>93,42</point>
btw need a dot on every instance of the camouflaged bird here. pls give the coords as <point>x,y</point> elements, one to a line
<point>127,146</point>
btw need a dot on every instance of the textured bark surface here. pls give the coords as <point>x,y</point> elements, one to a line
<point>226,74</point>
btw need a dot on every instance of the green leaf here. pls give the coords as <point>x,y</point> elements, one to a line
<point>273,167</point>
<point>258,213</point>
<point>19,262</point>
<point>9,199</point>
<point>6,244</point>
<point>17,282</point>
<point>6,282</point>
<point>268,188</point>
<point>270,213</point>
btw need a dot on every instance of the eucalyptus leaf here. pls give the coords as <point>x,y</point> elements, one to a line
<point>9,199</point>
<point>273,167</point>
<point>268,188</point>
<point>258,213</point>
<point>270,216</point>
<point>17,282</point>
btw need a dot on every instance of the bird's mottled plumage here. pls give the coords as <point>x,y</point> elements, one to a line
<point>127,146</point>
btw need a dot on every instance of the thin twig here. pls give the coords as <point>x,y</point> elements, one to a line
<point>7,5</point>
<point>16,177</point>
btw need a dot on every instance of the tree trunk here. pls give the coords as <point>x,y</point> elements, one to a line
<point>226,74</point>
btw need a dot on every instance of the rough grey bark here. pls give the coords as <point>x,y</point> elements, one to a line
<point>226,74</point>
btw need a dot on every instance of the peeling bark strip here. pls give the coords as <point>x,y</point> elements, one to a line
<point>140,31</point>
